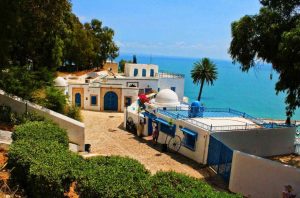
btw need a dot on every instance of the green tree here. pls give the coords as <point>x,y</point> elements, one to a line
<point>134,60</point>
<point>122,63</point>
<point>204,71</point>
<point>272,35</point>
<point>32,34</point>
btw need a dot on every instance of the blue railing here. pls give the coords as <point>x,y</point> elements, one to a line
<point>182,114</point>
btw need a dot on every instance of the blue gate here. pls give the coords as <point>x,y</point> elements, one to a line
<point>78,99</point>
<point>219,157</point>
<point>111,101</point>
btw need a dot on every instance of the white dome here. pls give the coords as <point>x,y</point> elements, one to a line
<point>166,98</point>
<point>60,82</point>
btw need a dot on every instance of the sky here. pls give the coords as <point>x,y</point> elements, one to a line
<point>183,28</point>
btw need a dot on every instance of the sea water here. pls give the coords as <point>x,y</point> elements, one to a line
<point>252,92</point>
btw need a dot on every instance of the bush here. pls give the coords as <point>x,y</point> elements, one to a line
<point>113,177</point>
<point>171,184</point>
<point>43,168</point>
<point>51,98</point>
<point>37,131</point>
<point>73,112</point>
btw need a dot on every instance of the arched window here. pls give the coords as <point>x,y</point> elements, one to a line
<point>152,72</point>
<point>136,71</point>
<point>144,72</point>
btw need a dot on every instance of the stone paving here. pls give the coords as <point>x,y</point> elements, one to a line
<point>105,132</point>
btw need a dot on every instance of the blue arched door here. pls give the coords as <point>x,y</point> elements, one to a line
<point>111,101</point>
<point>78,99</point>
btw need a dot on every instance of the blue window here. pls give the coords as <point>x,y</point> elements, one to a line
<point>165,127</point>
<point>173,89</point>
<point>144,72</point>
<point>151,72</point>
<point>93,100</point>
<point>190,138</point>
<point>136,71</point>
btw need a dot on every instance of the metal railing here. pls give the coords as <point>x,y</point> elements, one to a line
<point>165,74</point>
<point>176,113</point>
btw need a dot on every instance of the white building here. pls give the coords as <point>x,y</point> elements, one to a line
<point>110,91</point>
<point>234,144</point>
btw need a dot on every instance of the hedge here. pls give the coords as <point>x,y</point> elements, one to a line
<point>172,184</point>
<point>45,167</point>
<point>37,131</point>
<point>113,177</point>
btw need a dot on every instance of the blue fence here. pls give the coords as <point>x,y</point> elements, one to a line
<point>182,113</point>
<point>219,158</point>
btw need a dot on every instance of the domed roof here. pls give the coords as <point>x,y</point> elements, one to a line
<point>60,82</point>
<point>167,97</point>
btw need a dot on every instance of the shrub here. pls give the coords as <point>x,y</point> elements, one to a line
<point>171,184</point>
<point>43,168</point>
<point>52,98</point>
<point>113,177</point>
<point>73,112</point>
<point>41,131</point>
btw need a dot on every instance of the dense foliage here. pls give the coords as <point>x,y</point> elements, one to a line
<point>74,112</point>
<point>171,184</point>
<point>51,98</point>
<point>45,167</point>
<point>113,177</point>
<point>37,131</point>
<point>273,36</point>
<point>204,71</point>
<point>36,37</point>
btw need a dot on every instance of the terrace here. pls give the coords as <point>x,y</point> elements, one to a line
<point>218,119</point>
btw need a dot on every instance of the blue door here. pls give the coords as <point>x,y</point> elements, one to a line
<point>78,99</point>
<point>111,101</point>
<point>150,127</point>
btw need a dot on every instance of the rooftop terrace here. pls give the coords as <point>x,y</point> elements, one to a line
<point>219,119</point>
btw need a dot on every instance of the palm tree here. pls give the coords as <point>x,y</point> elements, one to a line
<point>204,71</point>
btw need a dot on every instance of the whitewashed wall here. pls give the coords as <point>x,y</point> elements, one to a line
<point>201,149</point>
<point>129,69</point>
<point>260,142</point>
<point>142,82</point>
<point>256,177</point>
<point>75,129</point>
<point>167,83</point>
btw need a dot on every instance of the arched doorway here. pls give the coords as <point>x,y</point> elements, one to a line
<point>111,101</point>
<point>78,99</point>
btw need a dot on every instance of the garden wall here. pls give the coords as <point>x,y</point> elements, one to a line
<point>260,142</point>
<point>75,129</point>
<point>257,177</point>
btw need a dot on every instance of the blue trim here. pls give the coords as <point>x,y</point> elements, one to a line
<point>190,138</point>
<point>149,115</point>
<point>190,132</point>
<point>160,120</point>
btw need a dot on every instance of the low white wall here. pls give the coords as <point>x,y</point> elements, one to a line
<point>201,148</point>
<point>256,177</point>
<point>75,129</point>
<point>260,142</point>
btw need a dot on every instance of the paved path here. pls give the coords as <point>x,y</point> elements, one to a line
<point>105,133</point>
<point>5,137</point>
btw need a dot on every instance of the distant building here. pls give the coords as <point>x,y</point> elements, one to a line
<point>110,91</point>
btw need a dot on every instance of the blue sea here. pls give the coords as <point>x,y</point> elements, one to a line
<point>252,92</point>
